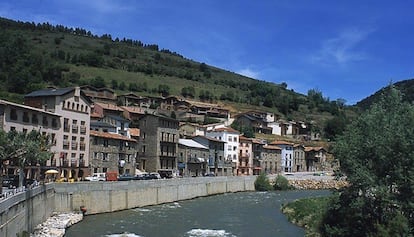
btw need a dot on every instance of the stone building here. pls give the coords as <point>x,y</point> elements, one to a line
<point>299,163</point>
<point>112,152</point>
<point>192,157</point>
<point>158,144</point>
<point>316,159</point>
<point>216,163</point>
<point>270,159</point>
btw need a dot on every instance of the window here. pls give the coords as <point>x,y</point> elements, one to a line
<point>104,156</point>
<point>34,119</point>
<point>25,117</point>
<point>104,170</point>
<point>54,123</point>
<point>229,138</point>
<point>105,143</point>
<point>66,125</point>
<point>13,114</point>
<point>44,121</point>
<point>234,139</point>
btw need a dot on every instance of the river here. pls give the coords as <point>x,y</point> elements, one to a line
<point>242,214</point>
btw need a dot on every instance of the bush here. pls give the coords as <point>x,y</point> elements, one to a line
<point>262,183</point>
<point>281,183</point>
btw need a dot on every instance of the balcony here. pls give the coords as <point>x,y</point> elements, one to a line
<point>81,163</point>
<point>75,128</point>
<point>65,163</point>
<point>74,146</point>
<point>65,144</point>
<point>83,129</point>
<point>66,128</point>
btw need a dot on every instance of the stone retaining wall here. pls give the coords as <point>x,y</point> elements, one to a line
<point>318,184</point>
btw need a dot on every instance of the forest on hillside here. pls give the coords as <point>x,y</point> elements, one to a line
<point>37,55</point>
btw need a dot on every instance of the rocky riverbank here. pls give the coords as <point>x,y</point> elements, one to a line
<point>55,226</point>
<point>318,184</point>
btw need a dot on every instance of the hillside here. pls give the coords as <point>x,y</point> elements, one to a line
<point>34,56</point>
<point>406,87</point>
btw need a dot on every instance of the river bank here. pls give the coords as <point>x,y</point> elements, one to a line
<point>56,225</point>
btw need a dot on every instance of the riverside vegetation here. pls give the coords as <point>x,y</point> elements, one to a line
<point>376,153</point>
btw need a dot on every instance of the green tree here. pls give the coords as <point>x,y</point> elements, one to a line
<point>262,183</point>
<point>376,153</point>
<point>98,82</point>
<point>24,149</point>
<point>281,183</point>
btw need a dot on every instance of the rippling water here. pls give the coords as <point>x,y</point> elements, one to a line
<point>254,214</point>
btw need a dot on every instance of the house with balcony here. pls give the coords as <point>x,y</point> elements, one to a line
<point>257,147</point>
<point>286,155</point>
<point>102,109</point>
<point>258,124</point>
<point>231,147</point>
<point>217,164</point>
<point>158,144</point>
<point>245,164</point>
<point>192,158</point>
<point>112,152</point>
<point>72,139</point>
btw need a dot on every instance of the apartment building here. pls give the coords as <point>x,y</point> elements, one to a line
<point>286,155</point>
<point>299,163</point>
<point>158,144</point>
<point>72,138</point>
<point>231,147</point>
<point>22,118</point>
<point>245,165</point>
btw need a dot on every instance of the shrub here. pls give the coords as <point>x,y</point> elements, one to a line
<point>262,183</point>
<point>281,183</point>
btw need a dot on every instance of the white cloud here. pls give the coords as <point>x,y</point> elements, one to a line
<point>249,73</point>
<point>342,49</point>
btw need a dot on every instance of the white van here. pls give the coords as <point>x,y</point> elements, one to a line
<point>96,177</point>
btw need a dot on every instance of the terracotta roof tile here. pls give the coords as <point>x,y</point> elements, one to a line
<point>111,136</point>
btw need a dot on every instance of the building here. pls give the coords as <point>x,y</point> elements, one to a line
<point>112,152</point>
<point>216,162</point>
<point>257,123</point>
<point>316,159</point>
<point>191,130</point>
<point>105,95</point>
<point>72,139</point>
<point>22,118</point>
<point>158,144</point>
<point>286,155</point>
<point>245,164</point>
<point>299,162</point>
<point>270,159</point>
<point>257,148</point>
<point>231,146</point>
<point>193,158</point>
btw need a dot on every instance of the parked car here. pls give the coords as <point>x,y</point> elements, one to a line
<point>96,177</point>
<point>126,177</point>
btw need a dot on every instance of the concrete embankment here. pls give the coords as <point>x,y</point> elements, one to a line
<point>24,211</point>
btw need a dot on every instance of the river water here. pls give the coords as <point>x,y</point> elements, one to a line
<point>242,214</point>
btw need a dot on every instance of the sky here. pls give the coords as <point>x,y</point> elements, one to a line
<point>344,49</point>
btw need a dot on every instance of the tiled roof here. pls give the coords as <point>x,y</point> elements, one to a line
<point>135,132</point>
<point>109,106</point>
<point>270,147</point>
<point>50,92</point>
<point>111,136</point>
<point>281,143</point>
<point>313,148</point>
<point>226,129</point>
<point>133,109</point>
<point>101,124</point>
